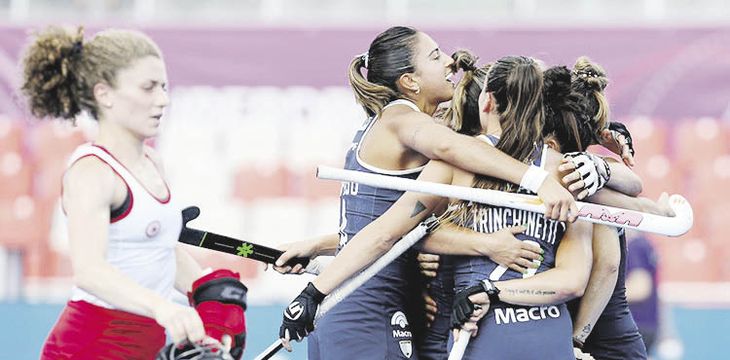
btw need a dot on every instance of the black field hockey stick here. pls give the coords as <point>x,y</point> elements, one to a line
<point>228,245</point>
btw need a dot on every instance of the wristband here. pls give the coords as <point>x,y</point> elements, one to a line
<point>533,178</point>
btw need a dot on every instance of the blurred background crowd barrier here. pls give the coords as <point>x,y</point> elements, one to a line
<point>260,97</point>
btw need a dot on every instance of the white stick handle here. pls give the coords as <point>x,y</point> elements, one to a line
<point>353,283</point>
<point>594,213</point>
<point>457,351</point>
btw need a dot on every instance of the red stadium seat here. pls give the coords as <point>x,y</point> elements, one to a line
<point>650,137</point>
<point>53,142</point>
<point>11,136</point>
<point>252,183</point>
<point>698,142</point>
<point>25,222</point>
<point>16,176</point>
<point>686,259</point>
<point>315,189</point>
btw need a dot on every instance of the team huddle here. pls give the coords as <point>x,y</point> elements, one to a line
<point>522,285</point>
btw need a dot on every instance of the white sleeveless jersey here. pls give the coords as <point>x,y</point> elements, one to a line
<point>142,238</point>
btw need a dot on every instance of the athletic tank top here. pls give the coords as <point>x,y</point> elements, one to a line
<point>361,204</point>
<point>142,238</point>
<point>488,219</point>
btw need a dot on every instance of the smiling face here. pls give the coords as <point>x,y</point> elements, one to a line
<point>139,97</point>
<point>433,70</point>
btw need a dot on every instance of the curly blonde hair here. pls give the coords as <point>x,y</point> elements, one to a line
<point>60,69</point>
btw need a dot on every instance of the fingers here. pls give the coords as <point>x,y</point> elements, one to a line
<point>428,265</point>
<point>555,213</point>
<point>526,263</point>
<point>571,178</point>
<point>227,342</point>
<point>517,229</point>
<point>194,328</point>
<point>573,212</point>
<point>517,268</point>
<point>427,257</point>
<point>285,341</point>
<point>297,269</point>
<point>564,211</point>
<point>284,258</point>
<point>531,254</point>
<point>566,165</point>
<point>582,195</point>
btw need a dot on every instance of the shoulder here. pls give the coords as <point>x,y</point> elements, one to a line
<point>90,175</point>
<point>402,115</point>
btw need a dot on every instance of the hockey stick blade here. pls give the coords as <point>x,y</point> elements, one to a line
<point>228,245</point>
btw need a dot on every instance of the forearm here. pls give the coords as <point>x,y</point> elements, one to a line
<point>188,270</point>
<point>110,285</point>
<point>623,179</point>
<point>451,239</point>
<point>326,244</point>
<point>614,198</point>
<point>353,258</point>
<point>550,287</point>
<point>478,157</point>
<point>606,260</point>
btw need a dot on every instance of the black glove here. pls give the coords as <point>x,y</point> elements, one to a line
<point>463,307</point>
<point>299,315</point>
<point>621,129</point>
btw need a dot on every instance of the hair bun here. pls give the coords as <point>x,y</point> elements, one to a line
<point>464,60</point>
<point>50,80</point>
<point>556,86</point>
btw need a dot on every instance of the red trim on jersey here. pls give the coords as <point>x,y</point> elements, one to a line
<point>129,190</point>
<point>87,331</point>
<point>161,201</point>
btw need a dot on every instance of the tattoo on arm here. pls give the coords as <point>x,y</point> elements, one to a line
<point>584,333</point>
<point>530,292</point>
<point>419,208</point>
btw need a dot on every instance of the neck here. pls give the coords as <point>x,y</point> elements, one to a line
<point>493,125</point>
<point>425,106</point>
<point>125,146</point>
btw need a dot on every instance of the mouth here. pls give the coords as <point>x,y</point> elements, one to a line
<point>157,117</point>
<point>450,78</point>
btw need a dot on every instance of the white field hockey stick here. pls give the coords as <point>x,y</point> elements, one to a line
<point>594,213</point>
<point>353,283</point>
<point>457,351</point>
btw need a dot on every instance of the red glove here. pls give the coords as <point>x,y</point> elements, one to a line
<point>220,299</point>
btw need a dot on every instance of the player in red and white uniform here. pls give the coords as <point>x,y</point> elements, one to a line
<point>123,220</point>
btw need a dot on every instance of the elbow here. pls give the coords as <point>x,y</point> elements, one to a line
<point>83,277</point>
<point>385,242</point>
<point>444,150</point>
<point>574,289</point>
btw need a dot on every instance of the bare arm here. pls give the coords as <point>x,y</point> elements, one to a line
<point>502,247</point>
<point>614,198</point>
<point>88,213</point>
<point>379,236</point>
<point>606,261</point>
<point>188,270</point>
<point>89,191</point>
<point>623,179</point>
<point>567,280</point>
<point>435,141</point>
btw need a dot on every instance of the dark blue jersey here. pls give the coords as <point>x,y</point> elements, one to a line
<point>377,320</point>
<point>543,330</point>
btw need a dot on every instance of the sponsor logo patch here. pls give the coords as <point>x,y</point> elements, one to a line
<point>402,332</point>
<point>153,229</point>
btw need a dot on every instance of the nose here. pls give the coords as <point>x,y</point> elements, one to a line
<point>449,61</point>
<point>163,99</point>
